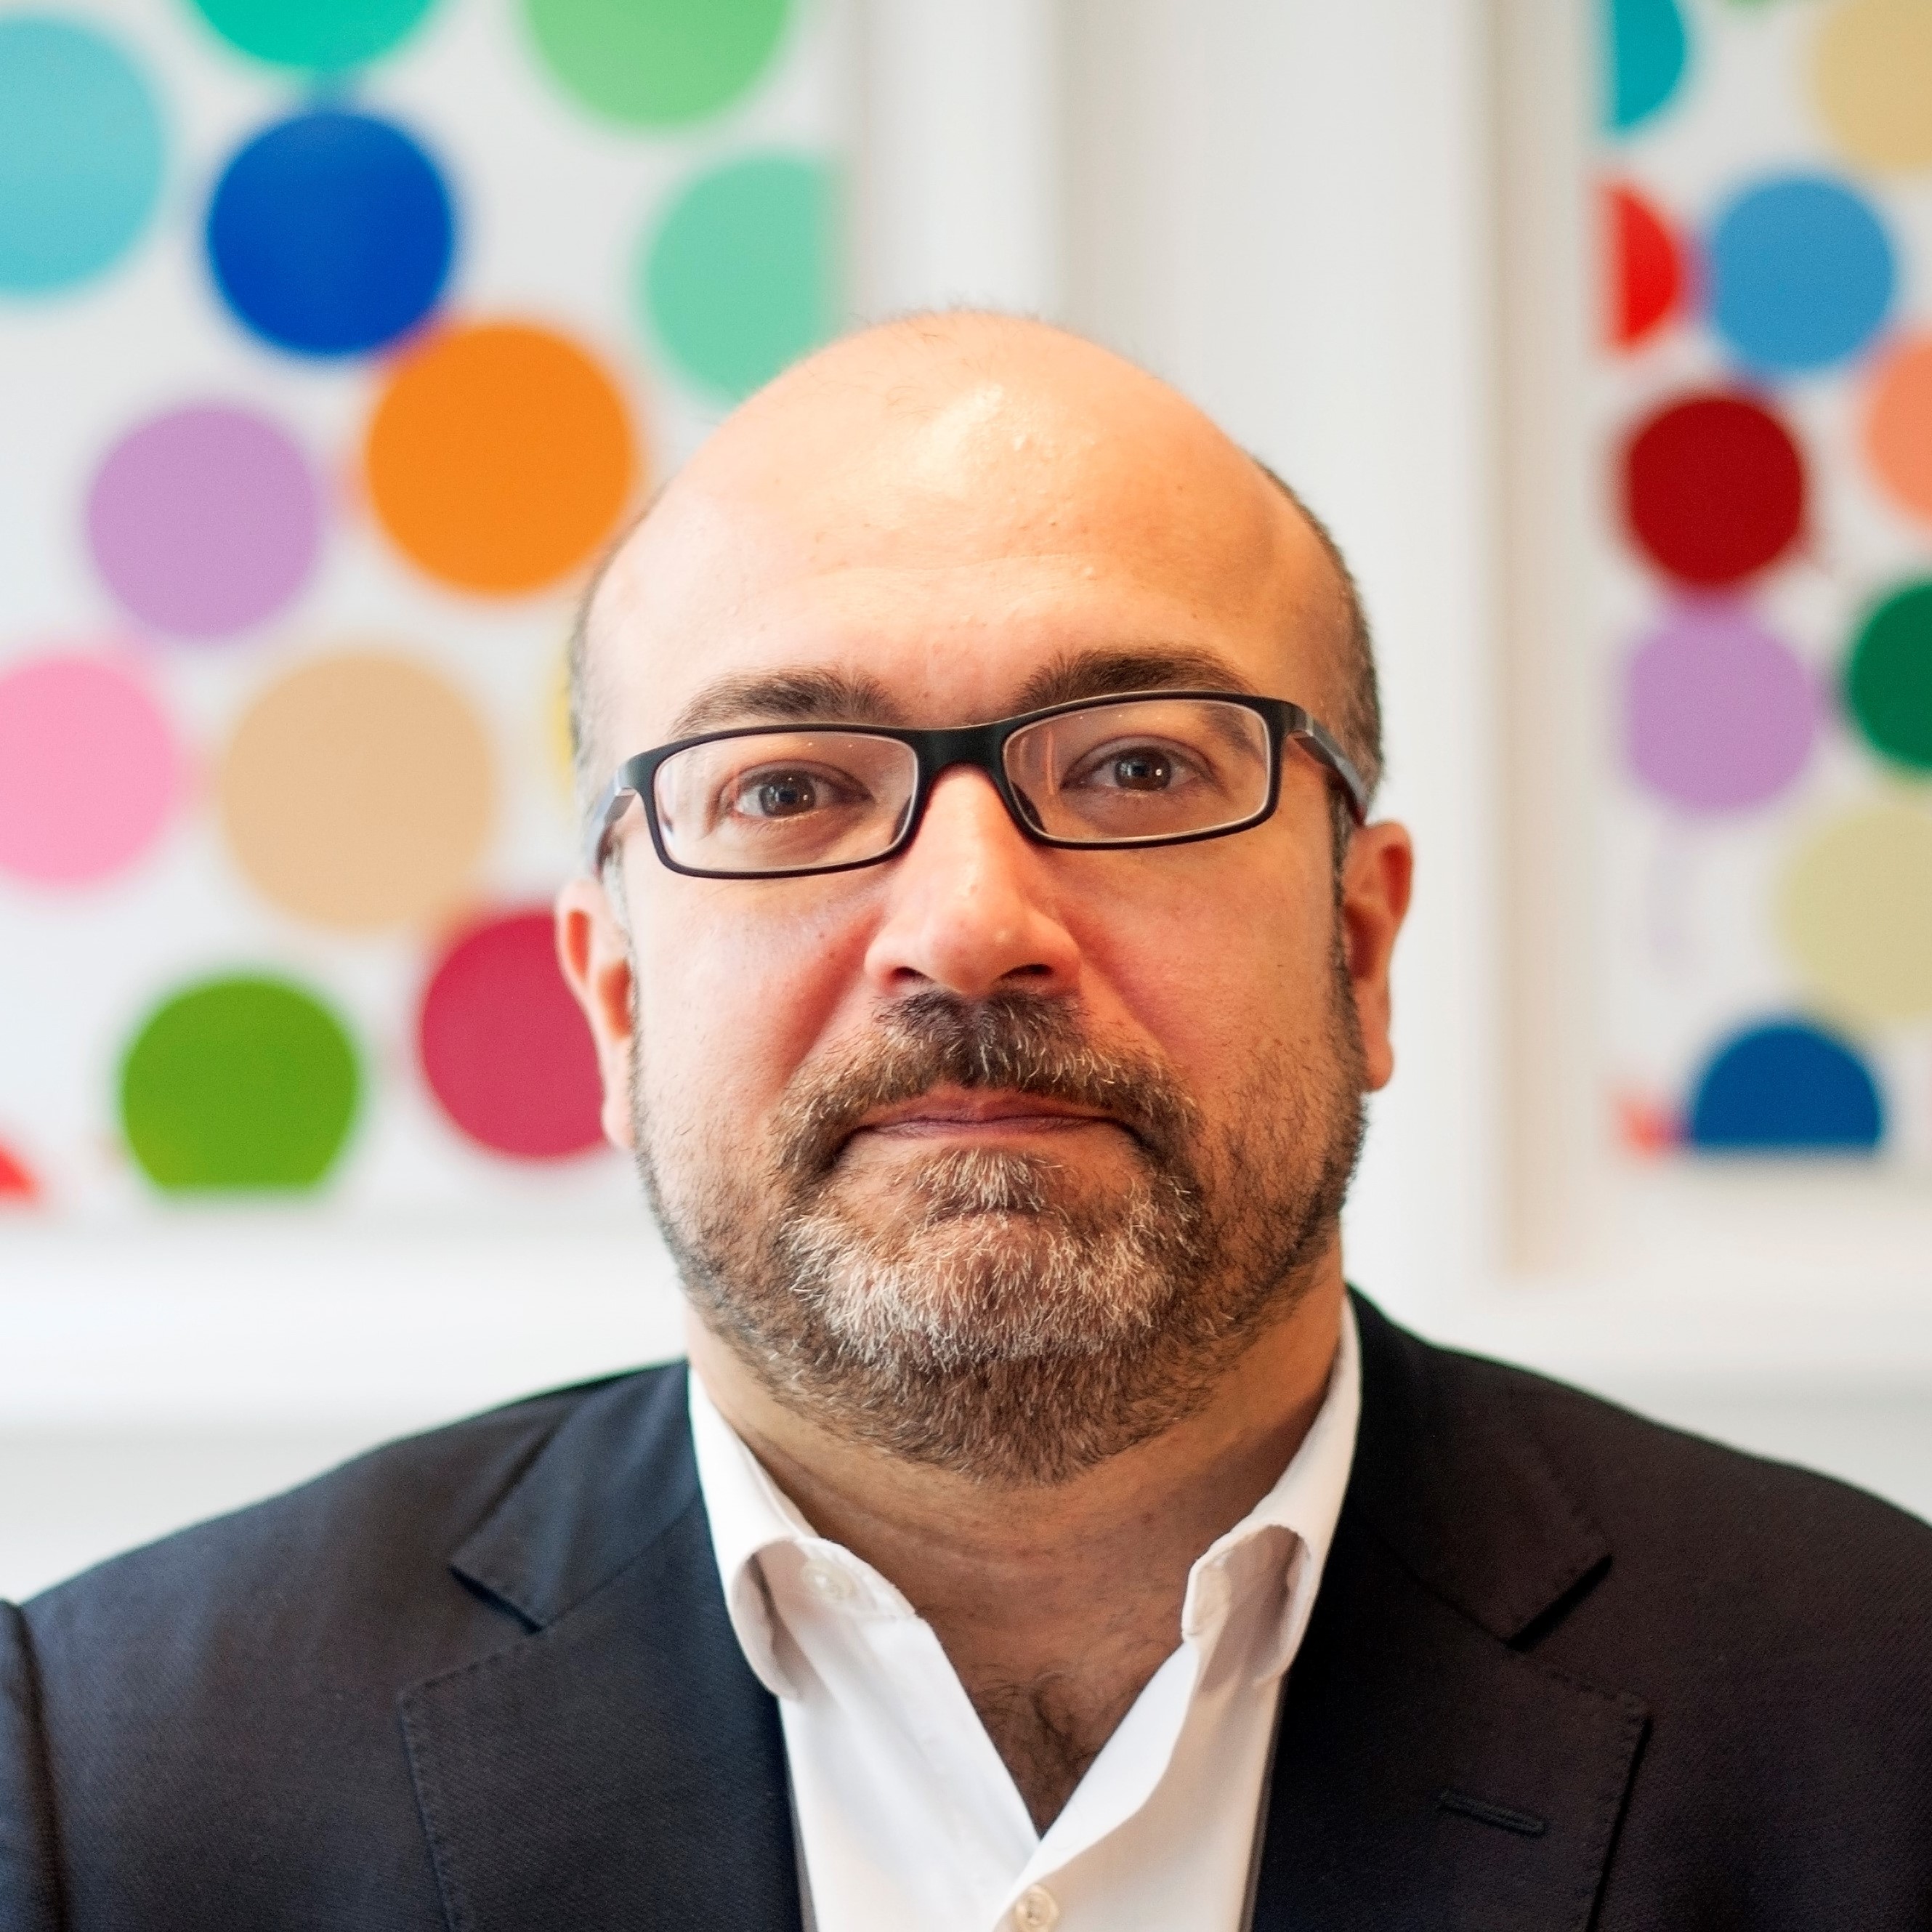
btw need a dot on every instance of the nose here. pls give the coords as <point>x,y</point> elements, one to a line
<point>969,908</point>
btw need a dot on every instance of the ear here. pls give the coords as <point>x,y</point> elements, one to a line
<point>1376,877</point>
<point>593,950</point>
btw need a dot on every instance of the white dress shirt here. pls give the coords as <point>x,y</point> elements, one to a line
<point>907,1816</point>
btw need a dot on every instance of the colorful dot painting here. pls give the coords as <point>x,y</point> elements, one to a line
<point>503,1046</point>
<point>739,279</point>
<point>90,773</point>
<point>1769,194</point>
<point>1714,488</point>
<point>326,36</point>
<point>205,521</point>
<point>349,333</point>
<point>82,153</point>
<point>242,1083</point>
<point>331,233</point>
<point>500,457</point>
<point>1720,714</point>
<point>358,792</point>
<point>656,63</point>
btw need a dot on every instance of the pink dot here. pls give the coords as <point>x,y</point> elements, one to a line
<point>504,1047</point>
<point>89,770</point>
<point>205,521</point>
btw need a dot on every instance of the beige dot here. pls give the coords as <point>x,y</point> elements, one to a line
<point>1855,912</point>
<point>1872,75</point>
<point>357,792</point>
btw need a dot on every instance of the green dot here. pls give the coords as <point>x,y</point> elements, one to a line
<point>1888,681</point>
<point>740,278</point>
<point>239,1083</point>
<point>656,63</point>
<point>325,36</point>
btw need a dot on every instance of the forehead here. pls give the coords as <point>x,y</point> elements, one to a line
<point>949,551</point>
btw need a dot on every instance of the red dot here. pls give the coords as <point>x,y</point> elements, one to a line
<point>504,1047</point>
<point>16,1183</point>
<point>1714,489</point>
<point>1647,268</point>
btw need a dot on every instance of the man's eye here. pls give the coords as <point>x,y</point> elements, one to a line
<point>779,795</point>
<point>1143,768</point>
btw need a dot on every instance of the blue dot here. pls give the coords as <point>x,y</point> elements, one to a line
<point>1802,274</point>
<point>80,154</point>
<point>1645,51</point>
<point>1786,1086</point>
<point>331,233</point>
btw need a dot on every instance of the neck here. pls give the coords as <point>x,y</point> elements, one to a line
<point>1055,1605</point>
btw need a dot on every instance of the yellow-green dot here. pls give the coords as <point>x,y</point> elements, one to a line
<point>1888,678</point>
<point>742,276</point>
<point>243,1083</point>
<point>656,63</point>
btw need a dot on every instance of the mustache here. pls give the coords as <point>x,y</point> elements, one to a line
<point>1010,1042</point>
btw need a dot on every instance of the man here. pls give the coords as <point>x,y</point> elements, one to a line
<point>988,953</point>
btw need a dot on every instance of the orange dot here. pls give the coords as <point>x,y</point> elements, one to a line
<point>1898,424</point>
<point>500,457</point>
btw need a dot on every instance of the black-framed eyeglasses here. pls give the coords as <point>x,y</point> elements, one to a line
<point>1148,768</point>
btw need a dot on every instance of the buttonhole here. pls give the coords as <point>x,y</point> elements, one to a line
<point>1527,1823</point>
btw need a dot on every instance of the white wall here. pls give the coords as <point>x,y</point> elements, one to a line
<point>1285,206</point>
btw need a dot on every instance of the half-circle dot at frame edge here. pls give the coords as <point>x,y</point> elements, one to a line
<point>503,1045</point>
<point>1872,76</point>
<point>204,521</point>
<point>656,63</point>
<point>1645,50</point>
<point>82,153</point>
<point>500,457</point>
<point>1898,424</point>
<point>741,276</point>
<point>331,233</point>
<point>1800,274</point>
<point>321,36</point>
<point>1888,678</point>
<point>1714,488</point>
<point>1853,910</point>
<point>244,1082</point>
<point>90,771</point>
<point>1649,275</point>
<point>18,1187</point>
<point>358,792</point>
<point>1786,1086</point>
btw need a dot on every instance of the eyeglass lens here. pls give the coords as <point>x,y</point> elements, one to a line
<point>792,801</point>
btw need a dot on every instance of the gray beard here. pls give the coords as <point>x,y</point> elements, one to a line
<point>988,1319</point>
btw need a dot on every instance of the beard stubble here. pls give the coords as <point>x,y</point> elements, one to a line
<point>989,1313</point>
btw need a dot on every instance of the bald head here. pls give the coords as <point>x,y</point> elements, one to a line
<point>975,470</point>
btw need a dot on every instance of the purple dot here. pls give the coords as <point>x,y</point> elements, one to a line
<point>205,521</point>
<point>1719,715</point>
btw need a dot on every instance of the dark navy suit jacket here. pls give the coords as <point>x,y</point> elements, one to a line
<point>1567,1670</point>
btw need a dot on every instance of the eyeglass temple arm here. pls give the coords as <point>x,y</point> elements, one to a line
<point>1339,762</point>
<point>610,807</point>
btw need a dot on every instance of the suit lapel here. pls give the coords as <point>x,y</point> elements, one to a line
<point>1431,1772</point>
<point>618,1766</point>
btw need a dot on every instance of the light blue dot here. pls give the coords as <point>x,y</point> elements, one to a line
<point>80,154</point>
<point>1802,274</point>
<point>1645,50</point>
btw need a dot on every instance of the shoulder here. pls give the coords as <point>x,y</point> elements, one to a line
<point>357,1546</point>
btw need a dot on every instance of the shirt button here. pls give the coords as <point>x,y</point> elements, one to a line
<point>1035,1910</point>
<point>827,1582</point>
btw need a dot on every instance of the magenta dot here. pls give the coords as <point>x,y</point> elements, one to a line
<point>1719,714</point>
<point>205,521</point>
<point>89,772</point>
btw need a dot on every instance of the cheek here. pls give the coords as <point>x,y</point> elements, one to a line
<point>732,996</point>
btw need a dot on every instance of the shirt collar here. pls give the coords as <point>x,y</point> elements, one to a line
<point>1283,1541</point>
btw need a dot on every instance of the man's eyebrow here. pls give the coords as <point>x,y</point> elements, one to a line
<point>783,697</point>
<point>1101,673</point>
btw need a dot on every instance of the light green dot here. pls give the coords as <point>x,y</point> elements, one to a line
<point>244,1083</point>
<point>742,276</point>
<point>324,36</point>
<point>656,63</point>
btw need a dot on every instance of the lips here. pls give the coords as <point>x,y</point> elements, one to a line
<point>958,1110</point>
